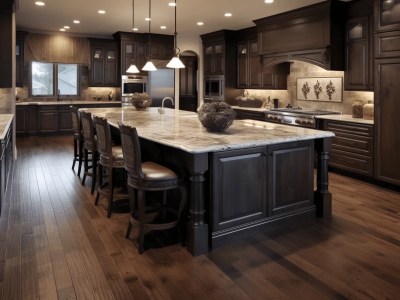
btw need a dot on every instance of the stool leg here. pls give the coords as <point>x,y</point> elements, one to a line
<point>111,190</point>
<point>141,207</point>
<point>85,166</point>
<point>80,149</point>
<point>75,153</point>
<point>99,184</point>
<point>94,170</point>
<point>131,197</point>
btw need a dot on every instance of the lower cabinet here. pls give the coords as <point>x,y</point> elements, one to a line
<point>254,186</point>
<point>248,114</point>
<point>47,117</point>
<point>6,160</point>
<point>352,147</point>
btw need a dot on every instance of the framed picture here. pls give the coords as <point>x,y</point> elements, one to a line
<point>328,89</point>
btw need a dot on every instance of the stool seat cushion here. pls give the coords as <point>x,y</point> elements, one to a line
<point>153,171</point>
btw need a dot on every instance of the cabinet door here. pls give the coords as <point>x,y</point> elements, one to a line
<point>64,119</point>
<point>357,58</point>
<point>238,197</point>
<point>19,63</point>
<point>218,59</point>
<point>208,60</point>
<point>386,122</point>
<point>110,72</point>
<point>268,78</point>
<point>21,119</point>
<point>254,66</point>
<point>140,55</point>
<point>242,65</point>
<point>387,15</point>
<point>97,72</point>
<point>291,175</point>
<point>47,120</point>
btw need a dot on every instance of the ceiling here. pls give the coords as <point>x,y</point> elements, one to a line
<point>58,13</point>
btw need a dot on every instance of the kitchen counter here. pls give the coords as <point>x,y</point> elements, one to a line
<point>183,130</point>
<point>257,109</point>
<point>65,102</point>
<point>237,180</point>
<point>5,122</point>
<point>345,118</point>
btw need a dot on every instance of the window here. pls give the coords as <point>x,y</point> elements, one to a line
<point>50,79</point>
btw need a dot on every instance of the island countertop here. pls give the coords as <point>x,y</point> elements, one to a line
<point>65,102</point>
<point>182,130</point>
<point>5,122</point>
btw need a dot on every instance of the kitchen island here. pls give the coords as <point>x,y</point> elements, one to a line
<point>250,176</point>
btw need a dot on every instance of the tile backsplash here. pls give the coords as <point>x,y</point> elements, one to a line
<point>300,69</point>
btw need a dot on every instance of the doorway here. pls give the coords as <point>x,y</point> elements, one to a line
<point>188,94</point>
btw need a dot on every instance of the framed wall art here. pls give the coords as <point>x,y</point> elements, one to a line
<point>328,89</point>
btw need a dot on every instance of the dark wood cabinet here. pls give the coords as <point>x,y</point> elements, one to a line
<point>248,65</point>
<point>387,91</point>
<point>359,46</point>
<point>291,177</point>
<point>352,147</point>
<point>64,119</point>
<point>47,119</point>
<point>6,162</point>
<point>249,114</point>
<point>188,84</point>
<point>104,63</point>
<point>386,15</point>
<point>214,58</point>
<point>19,58</point>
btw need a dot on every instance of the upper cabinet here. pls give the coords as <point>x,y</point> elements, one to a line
<point>134,47</point>
<point>359,46</point>
<point>313,34</point>
<point>104,63</point>
<point>19,58</point>
<point>387,15</point>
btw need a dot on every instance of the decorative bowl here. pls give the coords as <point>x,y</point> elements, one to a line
<point>216,116</point>
<point>141,101</point>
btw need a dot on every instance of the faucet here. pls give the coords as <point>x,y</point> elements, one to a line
<point>58,95</point>
<point>161,109</point>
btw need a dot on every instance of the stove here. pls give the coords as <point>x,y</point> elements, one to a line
<point>296,116</point>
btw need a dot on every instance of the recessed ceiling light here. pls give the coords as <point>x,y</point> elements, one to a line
<point>200,23</point>
<point>163,27</point>
<point>147,19</point>
<point>76,21</point>
<point>101,11</point>
<point>62,29</point>
<point>228,15</point>
<point>172,4</point>
<point>269,1</point>
<point>40,3</point>
<point>67,27</point>
<point>135,29</point>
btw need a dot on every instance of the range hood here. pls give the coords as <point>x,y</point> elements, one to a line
<point>313,34</point>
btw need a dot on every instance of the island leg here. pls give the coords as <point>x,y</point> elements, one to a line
<point>322,196</point>
<point>197,229</point>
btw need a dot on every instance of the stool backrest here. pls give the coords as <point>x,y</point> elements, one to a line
<point>76,120</point>
<point>104,142</point>
<point>88,131</point>
<point>131,149</point>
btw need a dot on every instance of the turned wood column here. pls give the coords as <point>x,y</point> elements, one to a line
<point>322,196</point>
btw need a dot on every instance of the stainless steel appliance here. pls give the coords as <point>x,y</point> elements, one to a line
<point>214,87</point>
<point>133,84</point>
<point>296,116</point>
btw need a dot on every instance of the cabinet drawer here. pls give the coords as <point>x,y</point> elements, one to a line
<point>351,162</point>
<point>350,128</point>
<point>353,143</point>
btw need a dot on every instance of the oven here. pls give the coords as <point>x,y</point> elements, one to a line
<point>133,84</point>
<point>214,87</point>
<point>296,116</point>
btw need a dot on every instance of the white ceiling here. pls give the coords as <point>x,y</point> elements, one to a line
<point>57,13</point>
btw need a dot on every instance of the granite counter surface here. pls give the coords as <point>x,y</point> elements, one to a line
<point>5,122</point>
<point>66,102</point>
<point>182,130</point>
<point>345,118</point>
<point>256,109</point>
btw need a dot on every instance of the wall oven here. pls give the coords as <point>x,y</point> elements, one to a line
<point>133,84</point>
<point>214,87</point>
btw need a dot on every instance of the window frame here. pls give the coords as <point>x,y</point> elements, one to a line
<point>55,81</point>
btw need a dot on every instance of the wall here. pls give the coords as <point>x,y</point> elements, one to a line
<point>300,69</point>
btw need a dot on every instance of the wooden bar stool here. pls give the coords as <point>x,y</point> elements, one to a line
<point>146,177</point>
<point>78,138</point>
<point>111,158</point>
<point>90,148</point>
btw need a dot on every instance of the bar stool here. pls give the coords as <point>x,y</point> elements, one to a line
<point>90,148</point>
<point>111,158</point>
<point>78,138</point>
<point>145,177</point>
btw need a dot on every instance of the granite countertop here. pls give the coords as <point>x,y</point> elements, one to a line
<point>257,109</point>
<point>5,122</point>
<point>182,130</point>
<point>65,102</point>
<point>345,118</point>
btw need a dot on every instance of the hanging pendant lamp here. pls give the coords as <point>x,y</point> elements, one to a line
<point>132,68</point>
<point>175,62</point>
<point>149,66</point>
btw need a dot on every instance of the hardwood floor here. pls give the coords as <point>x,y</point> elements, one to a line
<point>55,244</point>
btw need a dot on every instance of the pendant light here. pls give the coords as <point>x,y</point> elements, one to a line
<point>132,68</point>
<point>149,66</point>
<point>175,62</point>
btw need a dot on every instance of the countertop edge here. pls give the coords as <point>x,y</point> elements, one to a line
<point>345,118</point>
<point>5,123</point>
<point>64,102</point>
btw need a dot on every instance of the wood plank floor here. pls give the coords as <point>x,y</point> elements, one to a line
<point>55,244</point>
